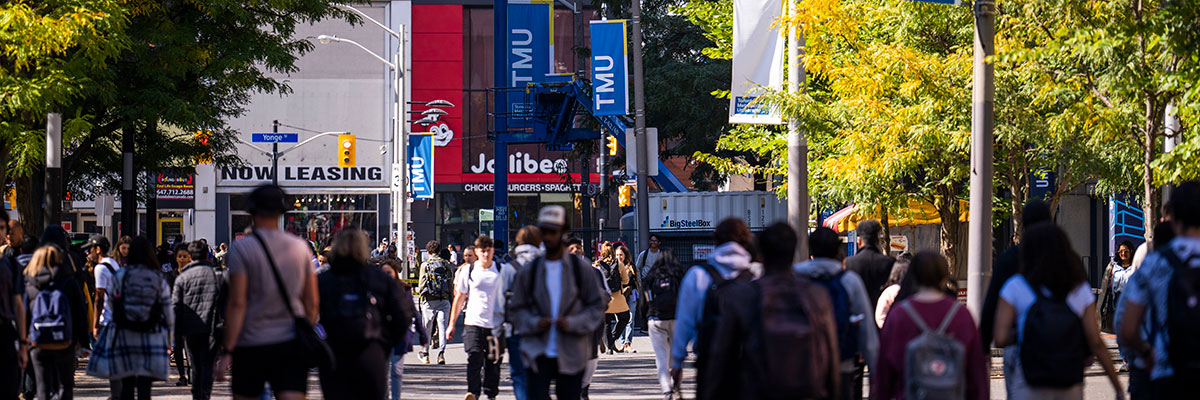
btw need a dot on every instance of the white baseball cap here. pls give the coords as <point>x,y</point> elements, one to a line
<point>552,217</point>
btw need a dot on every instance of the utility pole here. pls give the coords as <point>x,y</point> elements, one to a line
<point>639,132</point>
<point>580,61</point>
<point>54,172</point>
<point>797,146</point>
<point>499,147</point>
<point>979,230</point>
<point>129,207</point>
<point>275,155</point>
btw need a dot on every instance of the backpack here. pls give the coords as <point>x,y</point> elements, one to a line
<point>840,298</point>
<point>664,293</point>
<point>1053,345</point>
<point>350,311</point>
<point>136,305</point>
<point>439,284</point>
<point>712,314</point>
<point>934,363</point>
<point>794,357</point>
<point>50,325</point>
<point>1183,315</point>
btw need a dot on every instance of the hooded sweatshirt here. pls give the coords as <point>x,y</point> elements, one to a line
<point>860,305</point>
<point>526,253</point>
<point>729,259</point>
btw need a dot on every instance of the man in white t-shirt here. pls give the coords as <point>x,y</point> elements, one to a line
<point>479,290</point>
<point>105,268</point>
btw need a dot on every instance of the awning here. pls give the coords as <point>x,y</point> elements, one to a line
<point>918,212</point>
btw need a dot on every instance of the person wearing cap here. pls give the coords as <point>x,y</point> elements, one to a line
<point>105,271</point>
<point>557,304</point>
<point>260,330</point>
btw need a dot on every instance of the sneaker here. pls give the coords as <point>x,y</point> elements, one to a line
<point>470,396</point>
<point>441,359</point>
<point>668,396</point>
<point>181,383</point>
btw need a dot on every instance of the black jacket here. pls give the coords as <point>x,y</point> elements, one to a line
<point>396,306</point>
<point>1005,266</point>
<point>874,268</point>
<point>66,280</point>
<point>197,296</point>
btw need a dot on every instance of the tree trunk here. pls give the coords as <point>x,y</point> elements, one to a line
<point>1150,199</point>
<point>951,232</point>
<point>29,201</point>
<point>1018,212</point>
<point>4,157</point>
<point>887,230</point>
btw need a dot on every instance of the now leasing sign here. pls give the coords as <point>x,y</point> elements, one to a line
<point>610,67</point>
<point>303,175</point>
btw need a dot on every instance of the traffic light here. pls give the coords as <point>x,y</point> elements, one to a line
<point>346,150</point>
<point>625,196</point>
<point>204,147</point>
<point>612,145</point>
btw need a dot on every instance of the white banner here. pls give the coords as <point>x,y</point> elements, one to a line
<point>758,55</point>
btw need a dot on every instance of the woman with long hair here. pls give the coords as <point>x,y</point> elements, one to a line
<point>661,285</point>
<point>892,287</point>
<point>53,358</point>
<point>363,308</point>
<point>120,252</point>
<point>633,291</point>
<point>1115,276</point>
<point>1053,280</point>
<point>133,349</point>
<point>617,315</point>
<point>928,309</point>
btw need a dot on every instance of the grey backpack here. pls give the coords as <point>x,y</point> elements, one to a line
<point>136,304</point>
<point>934,363</point>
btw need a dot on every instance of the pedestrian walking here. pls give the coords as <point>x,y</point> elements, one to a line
<point>105,270</point>
<point>14,341</point>
<point>575,246</point>
<point>416,334</point>
<point>662,282</point>
<point>120,253</point>
<point>134,346</point>
<point>197,296</point>
<point>617,314</point>
<point>480,292</point>
<point>271,284</point>
<point>633,296</point>
<point>891,288</point>
<point>365,314</point>
<point>776,338</point>
<point>435,288</point>
<point>529,248</point>
<point>930,346</point>
<point>1116,274</point>
<point>1005,266</point>
<point>1139,373</point>
<point>556,307</point>
<point>453,254</point>
<point>57,315</point>
<point>873,265</point>
<point>728,260</point>
<point>1048,312</point>
<point>858,337</point>
<point>179,257</point>
<point>1159,311</point>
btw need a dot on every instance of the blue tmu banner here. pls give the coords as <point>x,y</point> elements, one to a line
<point>420,165</point>
<point>530,55</point>
<point>610,68</point>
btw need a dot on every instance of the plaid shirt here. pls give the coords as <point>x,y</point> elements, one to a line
<point>196,298</point>
<point>120,353</point>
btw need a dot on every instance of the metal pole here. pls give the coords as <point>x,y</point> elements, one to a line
<point>979,246</point>
<point>639,132</point>
<point>797,147</point>
<point>275,156</point>
<point>499,148</point>
<point>400,129</point>
<point>129,206</point>
<point>54,173</point>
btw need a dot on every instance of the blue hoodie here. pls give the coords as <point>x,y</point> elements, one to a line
<point>729,259</point>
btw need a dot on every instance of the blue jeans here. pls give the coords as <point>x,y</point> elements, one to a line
<point>396,368</point>
<point>516,367</point>
<point>627,336</point>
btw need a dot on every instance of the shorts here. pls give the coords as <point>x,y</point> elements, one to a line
<point>280,364</point>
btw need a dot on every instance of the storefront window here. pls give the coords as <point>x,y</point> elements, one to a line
<point>316,218</point>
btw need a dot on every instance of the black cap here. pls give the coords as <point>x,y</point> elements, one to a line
<point>267,200</point>
<point>97,240</point>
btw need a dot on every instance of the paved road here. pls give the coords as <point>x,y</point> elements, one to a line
<point>620,376</point>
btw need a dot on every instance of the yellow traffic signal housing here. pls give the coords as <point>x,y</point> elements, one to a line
<point>346,150</point>
<point>625,196</point>
<point>612,145</point>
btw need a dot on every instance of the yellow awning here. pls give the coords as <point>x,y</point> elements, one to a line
<point>918,212</point>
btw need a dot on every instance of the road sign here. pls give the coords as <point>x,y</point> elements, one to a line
<point>275,137</point>
<point>631,151</point>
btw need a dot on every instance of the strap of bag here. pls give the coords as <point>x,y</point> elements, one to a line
<point>275,272</point>
<point>949,317</point>
<point>915,317</point>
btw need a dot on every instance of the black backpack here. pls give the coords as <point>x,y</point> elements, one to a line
<point>439,284</point>
<point>839,297</point>
<point>664,293</point>
<point>350,311</point>
<point>1053,347</point>
<point>711,317</point>
<point>1183,315</point>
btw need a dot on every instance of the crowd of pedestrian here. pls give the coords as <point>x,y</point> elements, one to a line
<point>266,311</point>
